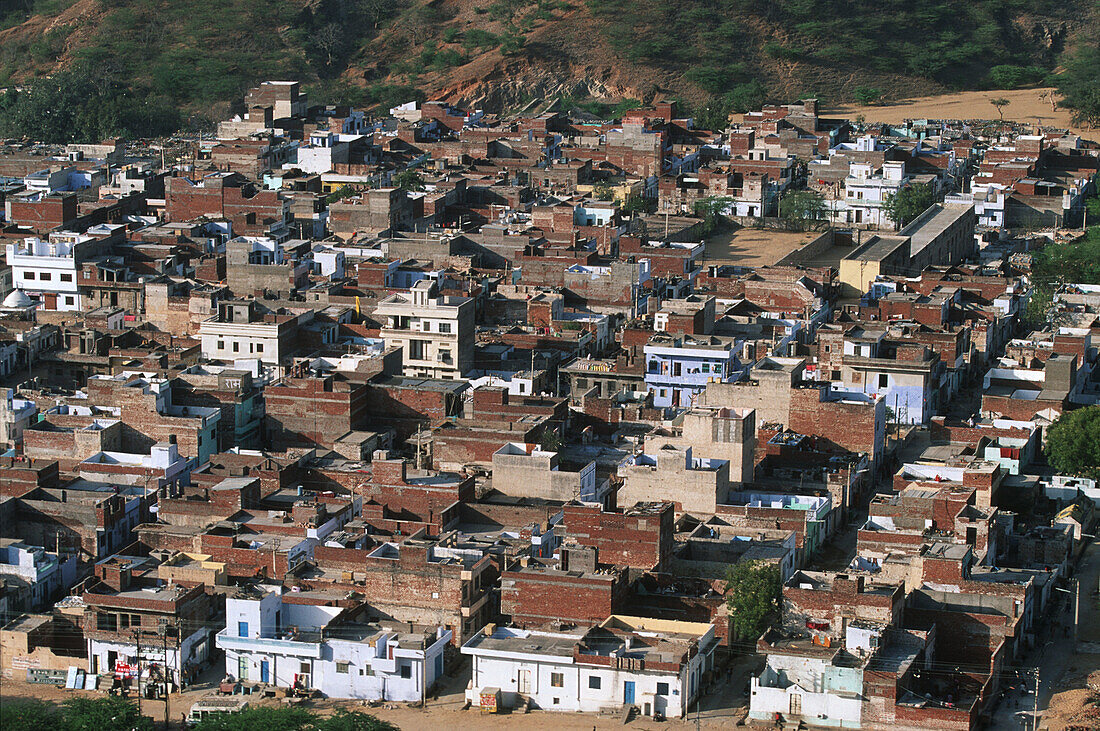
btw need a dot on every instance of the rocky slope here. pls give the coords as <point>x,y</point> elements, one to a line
<point>510,54</point>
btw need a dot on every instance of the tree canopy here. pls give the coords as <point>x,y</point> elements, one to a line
<point>293,719</point>
<point>752,596</point>
<point>76,714</point>
<point>1078,84</point>
<point>409,180</point>
<point>709,209</point>
<point>802,209</point>
<point>909,202</point>
<point>1073,443</point>
<point>83,104</point>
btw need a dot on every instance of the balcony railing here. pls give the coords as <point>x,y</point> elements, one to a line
<point>308,646</point>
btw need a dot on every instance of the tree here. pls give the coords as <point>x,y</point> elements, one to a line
<point>1078,87</point>
<point>752,595</point>
<point>714,115</point>
<point>409,180</point>
<point>867,95</point>
<point>258,719</point>
<point>1073,443</point>
<point>550,440</point>
<point>83,104</point>
<point>709,209</point>
<point>908,203</point>
<point>800,209</point>
<point>1000,103</point>
<point>29,714</point>
<point>633,204</point>
<point>108,712</point>
<point>344,720</point>
<point>603,191</point>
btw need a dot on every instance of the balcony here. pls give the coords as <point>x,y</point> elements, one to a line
<point>308,644</point>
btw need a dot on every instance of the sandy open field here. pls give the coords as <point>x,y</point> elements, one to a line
<point>1025,105</point>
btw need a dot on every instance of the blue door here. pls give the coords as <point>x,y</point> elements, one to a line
<point>242,629</point>
<point>265,672</point>
<point>628,691</point>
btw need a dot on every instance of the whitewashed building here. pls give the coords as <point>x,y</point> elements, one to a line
<point>267,640</point>
<point>47,270</point>
<point>656,665</point>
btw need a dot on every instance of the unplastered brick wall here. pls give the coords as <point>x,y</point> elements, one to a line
<point>642,541</point>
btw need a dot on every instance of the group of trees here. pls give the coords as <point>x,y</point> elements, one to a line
<point>1078,83</point>
<point>1073,443</point>
<point>717,44</point>
<point>84,104</point>
<point>112,713</point>
<point>76,714</point>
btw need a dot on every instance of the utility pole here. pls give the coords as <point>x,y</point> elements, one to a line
<point>167,687</point>
<point>137,639</point>
<point>1035,708</point>
<point>1076,609</point>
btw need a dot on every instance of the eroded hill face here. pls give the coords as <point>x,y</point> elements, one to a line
<point>507,54</point>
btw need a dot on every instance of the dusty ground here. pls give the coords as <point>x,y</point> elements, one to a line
<point>752,247</point>
<point>1025,105</point>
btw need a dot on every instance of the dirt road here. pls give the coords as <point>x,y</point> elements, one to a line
<point>1025,105</point>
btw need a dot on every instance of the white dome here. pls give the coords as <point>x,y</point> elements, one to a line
<point>17,298</point>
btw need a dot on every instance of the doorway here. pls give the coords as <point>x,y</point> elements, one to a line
<point>523,681</point>
<point>628,692</point>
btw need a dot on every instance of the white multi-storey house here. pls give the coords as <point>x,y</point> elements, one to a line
<point>267,640</point>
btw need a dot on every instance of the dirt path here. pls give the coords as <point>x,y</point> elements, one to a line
<point>1025,105</point>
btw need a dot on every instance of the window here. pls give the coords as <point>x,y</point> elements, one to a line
<point>28,275</point>
<point>594,682</point>
<point>45,276</point>
<point>69,300</point>
<point>883,380</point>
<point>342,668</point>
<point>65,277</point>
<point>406,671</point>
<point>221,345</point>
<point>236,347</point>
<point>445,327</point>
<point>106,622</point>
<point>259,347</point>
<point>662,688</point>
<point>557,680</point>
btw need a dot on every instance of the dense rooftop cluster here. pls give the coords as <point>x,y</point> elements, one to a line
<point>329,398</point>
